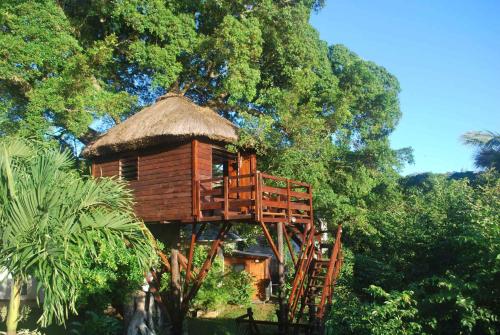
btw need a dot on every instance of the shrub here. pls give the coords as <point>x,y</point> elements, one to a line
<point>96,324</point>
<point>239,287</point>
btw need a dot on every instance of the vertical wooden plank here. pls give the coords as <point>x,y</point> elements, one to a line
<point>138,167</point>
<point>258,196</point>
<point>311,206</point>
<point>254,196</point>
<point>198,200</point>
<point>288,201</point>
<point>194,176</point>
<point>226,197</point>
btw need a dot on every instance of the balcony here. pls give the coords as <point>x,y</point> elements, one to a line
<point>258,197</point>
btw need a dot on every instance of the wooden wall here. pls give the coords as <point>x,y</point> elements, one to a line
<point>163,190</point>
<point>167,174</point>
<point>204,160</point>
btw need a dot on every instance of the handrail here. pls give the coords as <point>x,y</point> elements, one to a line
<point>300,272</point>
<point>242,176</point>
<point>327,287</point>
<point>225,192</point>
<point>310,256</point>
<point>268,176</point>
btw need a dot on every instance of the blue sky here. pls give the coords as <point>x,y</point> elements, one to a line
<point>446,55</point>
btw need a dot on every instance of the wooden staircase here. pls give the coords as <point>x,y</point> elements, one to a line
<point>315,278</point>
<point>312,288</point>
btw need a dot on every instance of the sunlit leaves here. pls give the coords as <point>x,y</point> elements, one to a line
<point>56,221</point>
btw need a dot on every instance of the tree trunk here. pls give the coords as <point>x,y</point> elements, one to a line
<point>14,304</point>
<point>176,317</point>
<point>138,324</point>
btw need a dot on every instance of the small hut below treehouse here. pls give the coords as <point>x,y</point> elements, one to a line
<point>257,265</point>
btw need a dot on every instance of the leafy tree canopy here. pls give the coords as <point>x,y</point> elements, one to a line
<point>316,113</point>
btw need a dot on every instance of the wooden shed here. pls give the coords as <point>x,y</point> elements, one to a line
<point>257,266</point>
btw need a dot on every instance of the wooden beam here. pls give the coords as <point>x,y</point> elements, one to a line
<point>194,176</point>
<point>206,266</point>
<point>290,247</point>
<point>270,240</point>
<point>191,254</point>
<point>226,197</point>
<point>281,259</point>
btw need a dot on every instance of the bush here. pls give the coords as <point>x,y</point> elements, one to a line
<point>239,287</point>
<point>218,288</point>
<point>97,324</point>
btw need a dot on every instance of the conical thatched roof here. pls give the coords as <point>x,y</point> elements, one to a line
<point>172,117</point>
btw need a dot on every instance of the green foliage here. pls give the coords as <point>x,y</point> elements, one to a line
<point>239,287</point>
<point>50,84</point>
<point>110,277</point>
<point>316,113</point>
<point>220,287</point>
<point>384,313</point>
<point>52,221</point>
<point>438,238</point>
<point>96,324</point>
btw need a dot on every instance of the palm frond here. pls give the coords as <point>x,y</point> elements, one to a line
<point>51,218</point>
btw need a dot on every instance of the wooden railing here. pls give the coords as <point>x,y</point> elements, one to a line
<point>259,196</point>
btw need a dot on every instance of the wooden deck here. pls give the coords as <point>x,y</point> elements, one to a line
<point>257,197</point>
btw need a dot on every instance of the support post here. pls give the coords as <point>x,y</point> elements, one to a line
<point>191,254</point>
<point>226,197</point>
<point>290,247</point>
<point>175,287</point>
<point>176,315</point>
<point>281,259</point>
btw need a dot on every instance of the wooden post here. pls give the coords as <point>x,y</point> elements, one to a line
<point>176,315</point>
<point>311,206</point>
<point>194,179</point>
<point>175,287</point>
<point>191,254</point>
<point>288,201</point>
<point>281,259</point>
<point>258,196</point>
<point>226,197</point>
<point>290,247</point>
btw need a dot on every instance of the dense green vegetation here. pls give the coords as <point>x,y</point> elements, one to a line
<point>431,265</point>
<point>422,253</point>
<point>53,223</point>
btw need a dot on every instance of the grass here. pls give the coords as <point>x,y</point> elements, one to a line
<point>224,324</point>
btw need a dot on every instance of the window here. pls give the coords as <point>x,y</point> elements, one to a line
<point>238,267</point>
<point>217,170</point>
<point>129,168</point>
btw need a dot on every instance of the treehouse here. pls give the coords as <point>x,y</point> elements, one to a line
<point>173,155</point>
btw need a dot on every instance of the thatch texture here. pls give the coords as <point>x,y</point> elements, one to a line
<point>171,118</point>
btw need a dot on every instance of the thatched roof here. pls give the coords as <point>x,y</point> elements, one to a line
<point>173,117</point>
